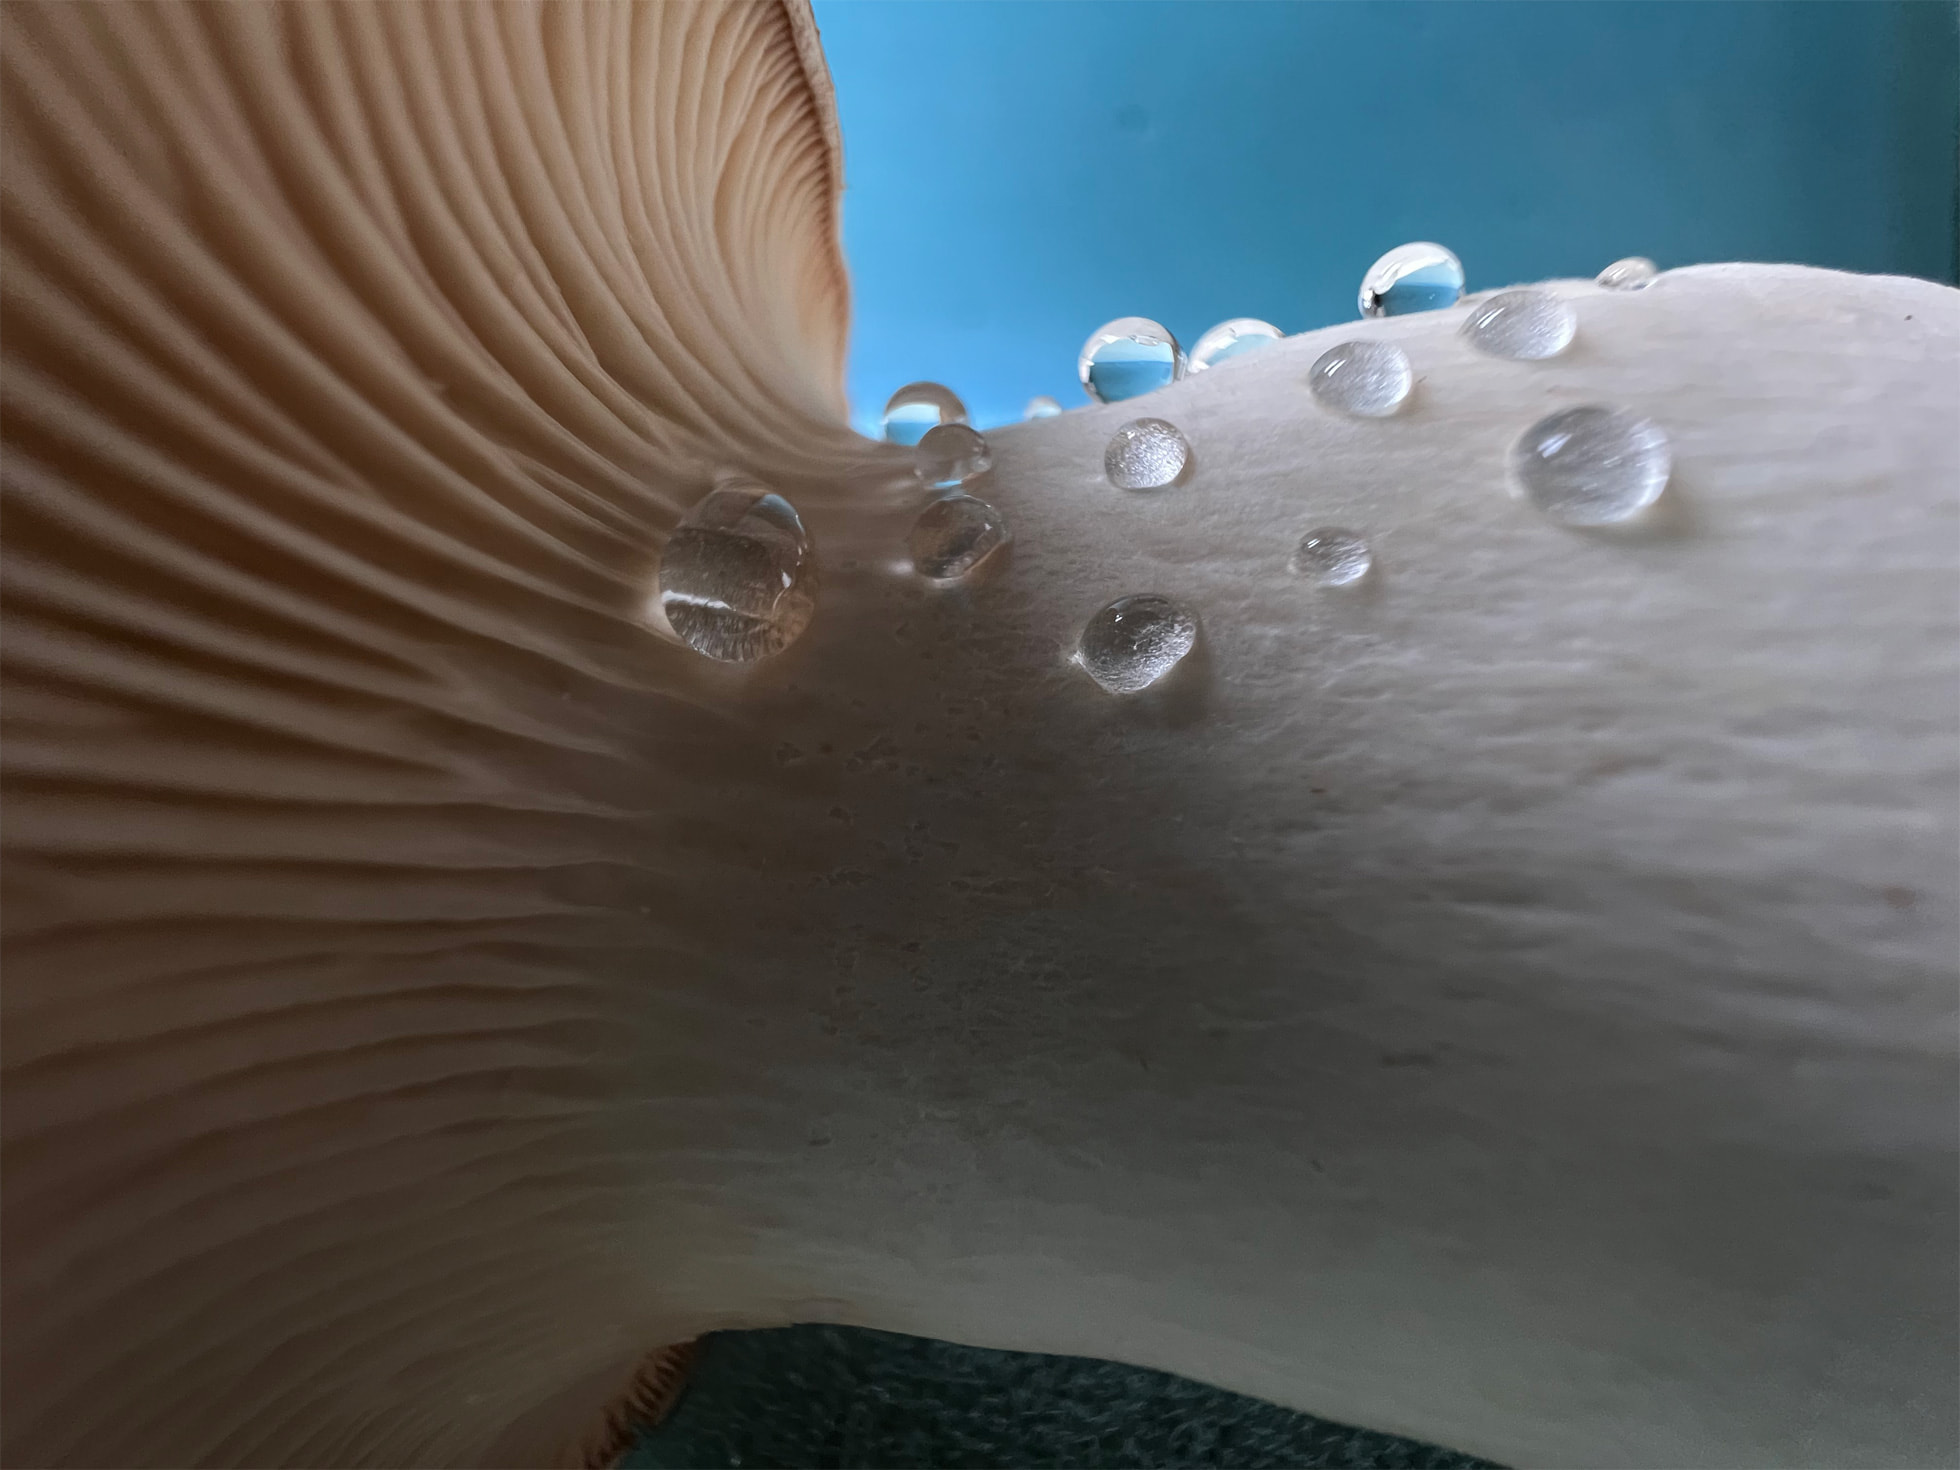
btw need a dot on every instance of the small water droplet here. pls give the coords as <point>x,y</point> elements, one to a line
<point>1227,340</point>
<point>1146,454</point>
<point>954,535</point>
<point>1592,466</point>
<point>1522,325</point>
<point>1417,277</point>
<point>1128,356</point>
<point>1135,641</point>
<point>1041,406</point>
<point>1369,379</point>
<point>918,407</point>
<point>951,454</point>
<point>1635,273</point>
<point>1333,557</point>
<point>738,578</point>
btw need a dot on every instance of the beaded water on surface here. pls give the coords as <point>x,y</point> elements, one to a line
<point>1635,273</point>
<point>954,535</point>
<point>1592,466</point>
<point>1041,406</point>
<point>919,407</point>
<point>1366,379</point>
<point>1332,557</point>
<point>738,578</point>
<point>1135,642</point>
<point>1128,356</point>
<point>1228,340</point>
<point>1146,454</point>
<point>951,454</point>
<point>1421,276</point>
<point>1522,325</point>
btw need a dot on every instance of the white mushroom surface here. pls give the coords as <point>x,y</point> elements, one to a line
<point>1508,1000</point>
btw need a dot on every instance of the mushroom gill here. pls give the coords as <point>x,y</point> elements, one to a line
<point>1508,1001</point>
<point>356,359</point>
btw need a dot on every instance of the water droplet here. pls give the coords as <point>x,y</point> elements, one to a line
<point>1146,454</point>
<point>1128,356</point>
<point>738,578</point>
<point>1417,277</point>
<point>1136,641</point>
<point>1333,557</point>
<point>1227,340</point>
<point>954,535</point>
<point>1041,406</point>
<point>1523,325</point>
<point>918,407</point>
<point>951,454</point>
<point>1592,466</point>
<point>1634,273</point>
<point>1369,379</point>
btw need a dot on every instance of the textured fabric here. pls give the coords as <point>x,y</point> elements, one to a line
<point>834,1397</point>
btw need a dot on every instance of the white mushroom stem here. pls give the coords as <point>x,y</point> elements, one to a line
<point>1508,1002</point>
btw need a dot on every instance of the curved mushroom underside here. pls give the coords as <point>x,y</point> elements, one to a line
<point>1512,1005</point>
<point>356,360</point>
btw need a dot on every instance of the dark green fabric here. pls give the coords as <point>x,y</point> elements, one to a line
<point>847,1398</point>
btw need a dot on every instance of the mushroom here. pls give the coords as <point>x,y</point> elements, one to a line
<point>1506,1000</point>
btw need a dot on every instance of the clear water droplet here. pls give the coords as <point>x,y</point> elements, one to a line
<point>1227,340</point>
<point>1634,273</point>
<point>1146,454</point>
<point>1333,557</point>
<point>1522,325</point>
<point>1417,277</point>
<point>1136,641</point>
<point>1041,406</point>
<point>917,407</point>
<point>1592,466</point>
<point>954,535</point>
<point>951,454</point>
<point>1128,356</point>
<point>1368,379</point>
<point>738,578</point>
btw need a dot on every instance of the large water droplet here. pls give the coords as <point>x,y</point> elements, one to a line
<point>917,407</point>
<point>1370,379</point>
<point>951,454</point>
<point>1227,340</point>
<point>1128,356</point>
<point>1146,454</point>
<point>1592,466</point>
<point>1135,641</point>
<point>1418,277</point>
<point>738,578</point>
<point>1333,557</point>
<point>1041,406</point>
<point>954,535</point>
<point>1631,274</point>
<point>1522,325</point>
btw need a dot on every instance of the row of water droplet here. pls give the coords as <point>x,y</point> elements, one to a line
<point>738,579</point>
<point>1134,355</point>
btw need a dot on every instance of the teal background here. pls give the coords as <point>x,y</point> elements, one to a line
<point>1018,173</point>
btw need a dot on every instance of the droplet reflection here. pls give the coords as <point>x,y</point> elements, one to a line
<point>1135,641</point>
<point>1127,357</point>
<point>917,407</point>
<point>1592,466</point>
<point>738,578</point>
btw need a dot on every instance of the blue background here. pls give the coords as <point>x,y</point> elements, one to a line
<point>1018,173</point>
